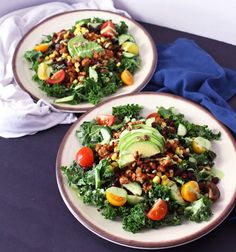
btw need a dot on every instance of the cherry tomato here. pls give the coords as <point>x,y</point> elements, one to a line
<point>155,115</point>
<point>85,157</point>
<point>190,191</point>
<point>158,210</point>
<point>116,196</point>
<point>41,47</point>
<point>107,120</point>
<point>108,29</point>
<point>127,77</point>
<point>57,77</point>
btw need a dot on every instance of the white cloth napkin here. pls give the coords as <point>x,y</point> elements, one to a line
<point>19,114</point>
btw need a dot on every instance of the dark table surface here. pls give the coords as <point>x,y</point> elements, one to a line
<point>33,216</point>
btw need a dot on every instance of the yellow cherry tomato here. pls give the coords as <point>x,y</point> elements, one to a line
<point>43,72</point>
<point>200,145</point>
<point>130,47</point>
<point>190,191</point>
<point>116,196</point>
<point>41,47</point>
<point>127,77</point>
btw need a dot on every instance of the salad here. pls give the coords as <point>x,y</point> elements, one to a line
<point>85,63</point>
<point>148,171</point>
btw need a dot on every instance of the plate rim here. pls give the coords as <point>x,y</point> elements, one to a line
<point>65,108</point>
<point>126,242</point>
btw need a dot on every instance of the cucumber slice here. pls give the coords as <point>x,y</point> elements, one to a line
<point>128,55</point>
<point>106,135</point>
<point>175,194</point>
<point>134,199</point>
<point>125,37</point>
<point>65,99</point>
<point>93,74</point>
<point>181,131</point>
<point>133,187</point>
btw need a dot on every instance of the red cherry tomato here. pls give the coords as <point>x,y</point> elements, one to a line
<point>158,210</point>
<point>108,29</point>
<point>155,115</point>
<point>107,120</point>
<point>85,157</point>
<point>57,77</point>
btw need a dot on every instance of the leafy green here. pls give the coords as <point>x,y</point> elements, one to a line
<point>121,28</point>
<point>129,110</point>
<point>193,130</point>
<point>110,212</point>
<point>89,133</point>
<point>130,63</point>
<point>32,55</point>
<point>136,219</point>
<point>199,210</point>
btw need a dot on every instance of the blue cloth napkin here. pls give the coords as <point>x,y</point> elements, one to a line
<point>186,70</point>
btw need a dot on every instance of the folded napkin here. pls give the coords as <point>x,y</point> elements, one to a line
<point>19,114</point>
<point>186,70</point>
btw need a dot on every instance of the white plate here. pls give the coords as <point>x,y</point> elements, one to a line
<point>23,74</point>
<point>165,236</point>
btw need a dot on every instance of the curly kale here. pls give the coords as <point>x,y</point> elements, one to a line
<point>129,110</point>
<point>199,210</point>
<point>136,219</point>
<point>193,130</point>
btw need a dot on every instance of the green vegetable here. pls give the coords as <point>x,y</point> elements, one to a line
<point>32,55</point>
<point>199,210</point>
<point>193,130</point>
<point>129,110</point>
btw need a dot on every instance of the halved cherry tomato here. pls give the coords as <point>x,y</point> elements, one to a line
<point>190,191</point>
<point>108,29</point>
<point>116,196</point>
<point>155,115</point>
<point>57,77</point>
<point>107,120</point>
<point>158,210</point>
<point>127,77</point>
<point>41,47</point>
<point>85,157</point>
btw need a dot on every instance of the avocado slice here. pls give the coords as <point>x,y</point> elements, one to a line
<point>139,137</point>
<point>144,148</point>
<point>128,136</point>
<point>133,187</point>
<point>154,131</point>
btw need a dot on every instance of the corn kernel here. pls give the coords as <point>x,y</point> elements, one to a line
<point>114,156</point>
<point>46,58</point>
<point>116,149</point>
<point>114,164</point>
<point>64,55</point>
<point>156,180</point>
<point>65,36</point>
<point>69,58</point>
<point>98,40</point>
<point>77,64</point>
<point>103,39</point>
<point>52,55</point>
<point>84,30</point>
<point>75,81</point>
<point>118,64</point>
<point>163,124</point>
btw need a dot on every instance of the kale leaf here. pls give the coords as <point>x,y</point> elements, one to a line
<point>199,210</point>
<point>193,130</point>
<point>129,110</point>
